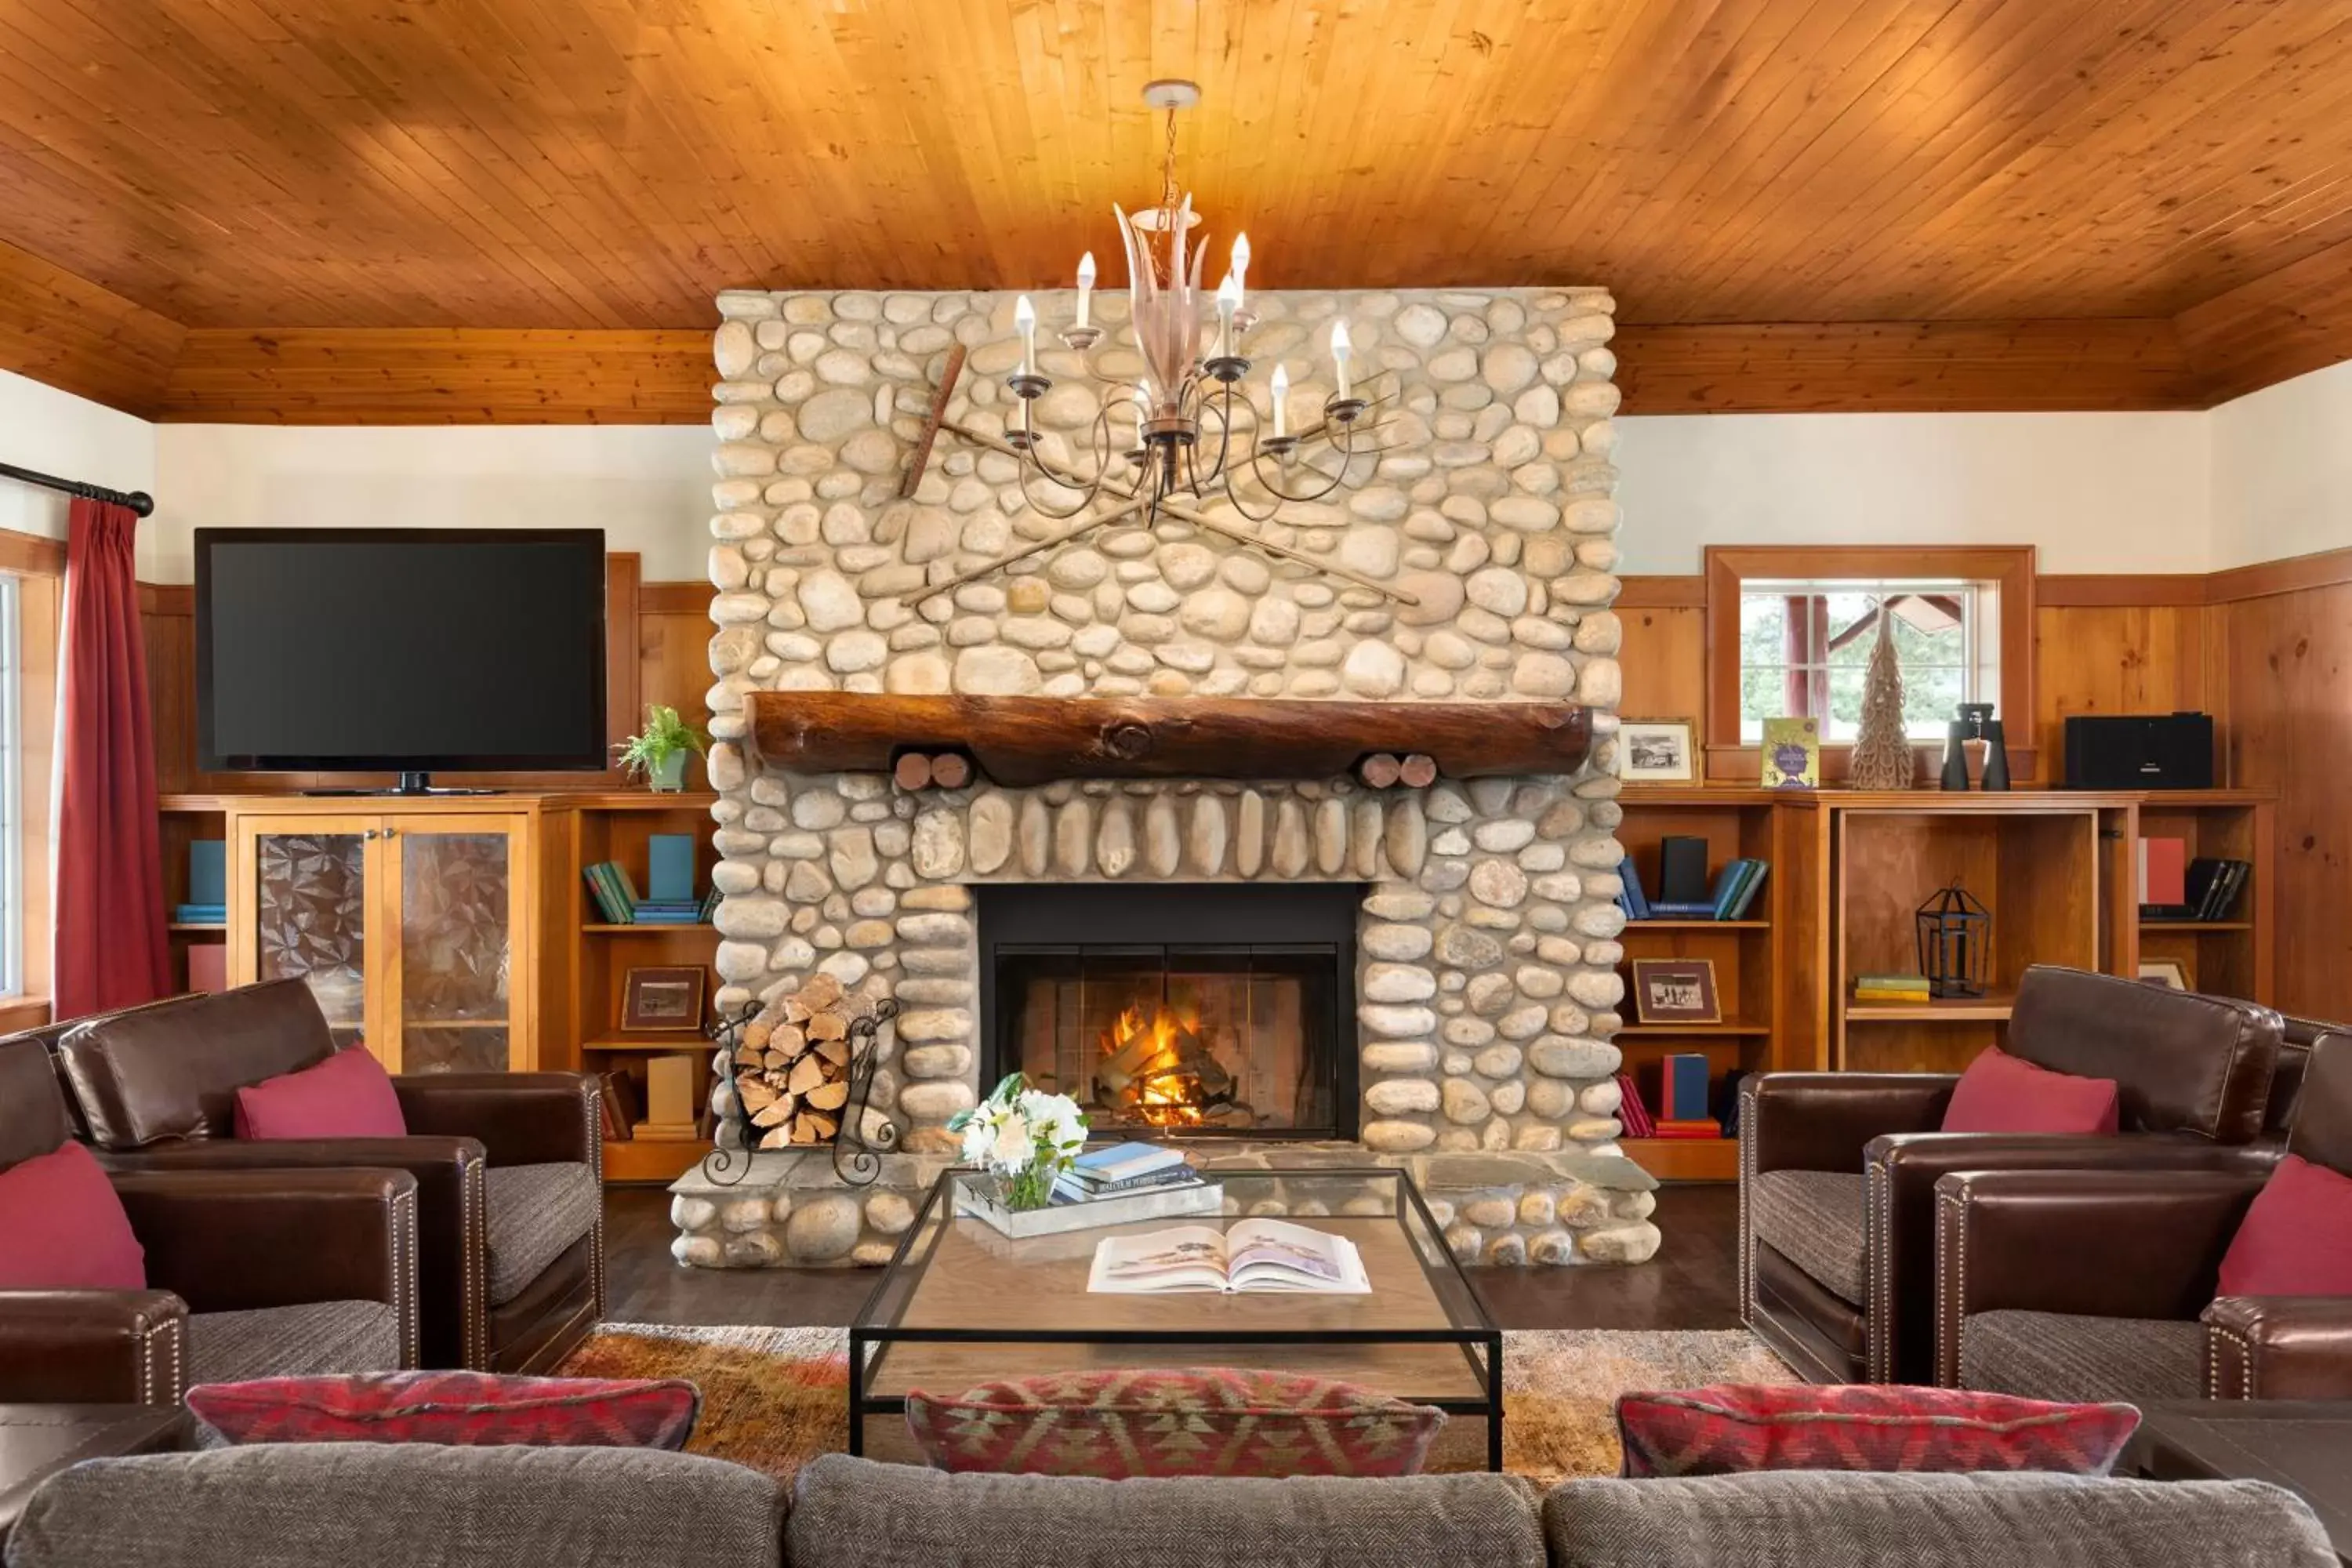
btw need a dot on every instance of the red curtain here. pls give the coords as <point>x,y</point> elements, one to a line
<point>111,947</point>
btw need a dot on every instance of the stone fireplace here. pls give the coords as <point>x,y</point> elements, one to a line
<point>1283,970</point>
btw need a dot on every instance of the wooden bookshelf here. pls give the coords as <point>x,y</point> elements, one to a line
<point>181,820</point>
<point>2233,956</point>
<point>1752,957</point>
<point>596,955</point>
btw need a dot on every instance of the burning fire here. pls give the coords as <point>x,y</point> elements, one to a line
<point>1152,1064</point>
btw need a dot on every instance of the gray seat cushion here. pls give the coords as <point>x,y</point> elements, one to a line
<point>1814,1519</point>
<point>301,1505</point>
<point>293,1342</point>
<point>535,1212</point>
<point>855,1513</point>
<point>2059,1355</point>
<point>1814,1219</point>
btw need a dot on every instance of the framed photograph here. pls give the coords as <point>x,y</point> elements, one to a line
<point>667,998</point>
<point>2169,972</point>
<point>1675,991</point>
<point>1657,751</point>
<point>1791,757</point>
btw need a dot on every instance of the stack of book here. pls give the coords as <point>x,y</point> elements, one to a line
<point>1890,988</point>
<point>1735,893</point>
<point>2206,890</point>
<point>1123,1169</point>
<point>208,902</point>
<point>1683,1110</point>
<point>670,900</point>
<point>1633,1113</point>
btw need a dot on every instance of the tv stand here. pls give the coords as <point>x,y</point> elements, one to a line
<point>417,783</point>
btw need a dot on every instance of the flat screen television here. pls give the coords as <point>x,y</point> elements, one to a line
<point>399,650</point>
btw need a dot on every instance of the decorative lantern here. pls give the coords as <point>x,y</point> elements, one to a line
<point>1954,933</point>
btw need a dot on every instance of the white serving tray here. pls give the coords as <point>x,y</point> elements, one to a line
<point>1056,1219</point>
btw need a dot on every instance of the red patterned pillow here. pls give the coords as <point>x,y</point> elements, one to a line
<point>1730,1429</point>
<point>469,1409</point>
<point>1188,1421</point>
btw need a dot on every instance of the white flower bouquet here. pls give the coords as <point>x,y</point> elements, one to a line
<point>1023,1137</point>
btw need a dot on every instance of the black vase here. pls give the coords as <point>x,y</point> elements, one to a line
<point>1956,755</point>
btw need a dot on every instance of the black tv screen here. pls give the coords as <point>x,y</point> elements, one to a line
<point>387,649</point>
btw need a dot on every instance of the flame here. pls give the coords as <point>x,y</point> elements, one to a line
<point>1158,1094</point>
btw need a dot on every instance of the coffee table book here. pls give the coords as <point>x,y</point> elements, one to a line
<point>972,1198</point>
<point>962,1304</point>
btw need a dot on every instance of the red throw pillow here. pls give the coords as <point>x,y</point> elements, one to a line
<point>470,1409</point>
<point>1189,1421</point>
<point>2296,1237</point>
<point>349,1095</point>
<point>2002,1094</point>
<point>1731,1430</point>
<point>62,1228</point>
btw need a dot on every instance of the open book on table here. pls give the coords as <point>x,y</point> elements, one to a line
<point>1254,1255</point>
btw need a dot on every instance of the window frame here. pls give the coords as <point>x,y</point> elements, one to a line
<point>1728,568</point>
<point>39,566</point>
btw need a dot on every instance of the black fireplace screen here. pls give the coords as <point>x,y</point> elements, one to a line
<point>1185,1008</point>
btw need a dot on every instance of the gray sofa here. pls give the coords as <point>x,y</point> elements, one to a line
<point>330,1506</point>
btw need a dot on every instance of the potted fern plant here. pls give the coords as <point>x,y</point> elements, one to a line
<point>659,751</point>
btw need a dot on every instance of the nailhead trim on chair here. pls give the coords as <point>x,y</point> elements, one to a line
<point>473,1337</point>
<point>1878,1258</point>
<point>592,1114</point>
<point>1749,1095</point>
<point>404,1262</point>
<point>2234,1340</point>
<point>1952,1248</point>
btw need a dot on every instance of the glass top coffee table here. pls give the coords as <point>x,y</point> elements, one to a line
<point>962,1304</point>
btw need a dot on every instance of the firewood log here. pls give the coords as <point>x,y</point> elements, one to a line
<point>1380,770</point>
<point>912,771</point>
<point>828,1026</point>
<point>835,1051</point>
<point>951,770</point>
<point>826,1095</point>
<point>754,1093</point>
<point>1418,770</point>
<point>807,1073</point>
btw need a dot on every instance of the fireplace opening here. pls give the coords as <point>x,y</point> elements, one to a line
<point>1178,1009</point>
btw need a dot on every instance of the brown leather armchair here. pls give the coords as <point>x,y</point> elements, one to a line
<point>241,1283</point>
<point>509,1166</point>
<point>2100,1285</point>
<point>1838,1171</point>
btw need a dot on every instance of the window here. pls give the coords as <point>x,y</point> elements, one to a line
<point>1805,646</point>
<point>1790,629</point>
<point>12,790</point>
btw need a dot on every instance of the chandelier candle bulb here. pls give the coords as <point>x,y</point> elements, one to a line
<point>1085,285</point>
<point>1340,349</point>
<point>1281,402</point>
<point>1025,320</point>
<point>1229,300</point>
<point>1241,267</point>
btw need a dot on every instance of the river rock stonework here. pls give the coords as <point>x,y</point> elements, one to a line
<point>1487,989</point>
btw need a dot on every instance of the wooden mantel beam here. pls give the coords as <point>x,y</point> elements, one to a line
<point>1023,740</point>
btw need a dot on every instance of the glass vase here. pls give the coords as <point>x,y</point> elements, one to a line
<point>1026,1189</point>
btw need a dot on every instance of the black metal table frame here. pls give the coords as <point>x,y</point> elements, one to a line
<point>865,1334</point>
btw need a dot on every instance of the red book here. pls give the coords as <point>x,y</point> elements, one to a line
<point>1689,1129</point>
<point>2163,872</point>
<point>208,966</point>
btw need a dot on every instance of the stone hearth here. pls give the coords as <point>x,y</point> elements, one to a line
<point>1486,982</point>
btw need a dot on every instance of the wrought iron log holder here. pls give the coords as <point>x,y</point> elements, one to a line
<point>856,1158</point>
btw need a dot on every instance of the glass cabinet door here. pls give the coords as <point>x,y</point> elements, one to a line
<point>457,943</point>
<point>311,915</point>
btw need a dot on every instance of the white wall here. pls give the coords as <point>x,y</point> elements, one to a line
<point>648,487</point>
<point>2094,492</point>
<point>2266,477</point>
<point>56,433</point>
<point>2282,469</point>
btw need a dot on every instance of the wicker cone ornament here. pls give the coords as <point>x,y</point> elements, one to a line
<point>1881,751</point>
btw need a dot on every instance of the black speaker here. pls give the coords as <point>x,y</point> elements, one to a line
<point>2140,751</point>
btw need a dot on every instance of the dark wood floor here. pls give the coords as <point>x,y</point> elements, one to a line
<point>1691,1284</point>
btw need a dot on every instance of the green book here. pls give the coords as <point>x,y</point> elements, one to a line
<point>1917,983</point>
<point>614,897</point>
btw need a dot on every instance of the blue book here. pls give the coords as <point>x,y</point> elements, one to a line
<point>208,871</point>
<point>1681,911</point>
<point>1727,889</point>
<point>669,867</point>
<point>1637,902</point>
<point>1746,898</point>
<point>1121,1160</point>
<point>1685,1095</point>
<point>200,914</point>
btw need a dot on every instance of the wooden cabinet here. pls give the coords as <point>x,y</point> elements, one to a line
<point>416,924</point>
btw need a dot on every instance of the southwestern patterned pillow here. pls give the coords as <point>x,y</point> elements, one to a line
<point>1188,1421</point>
<point>475,1409</point>
<point>1732,1429</point>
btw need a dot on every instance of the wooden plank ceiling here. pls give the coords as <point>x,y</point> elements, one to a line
<point>402,210</point>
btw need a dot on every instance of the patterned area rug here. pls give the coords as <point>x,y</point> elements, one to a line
<point>773,1398</point>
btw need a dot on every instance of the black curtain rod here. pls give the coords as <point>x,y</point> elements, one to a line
<point>139,502</point>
